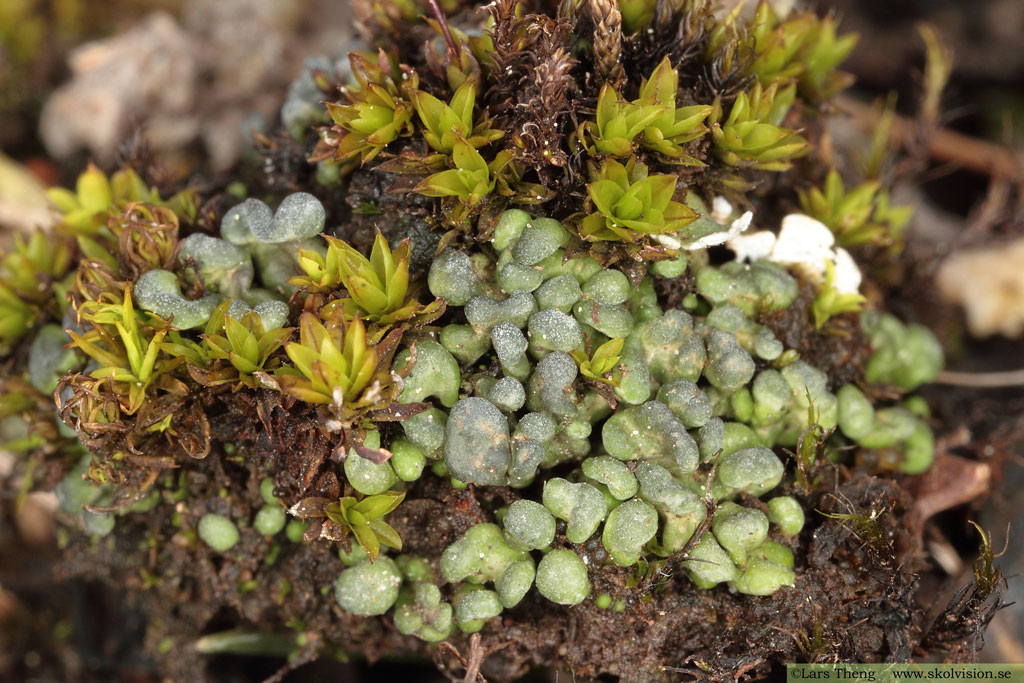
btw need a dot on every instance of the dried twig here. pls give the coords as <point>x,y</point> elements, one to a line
<point>982,380</point>
<point>943,145</point>
<point>477,655</point>
<point>476,659</point>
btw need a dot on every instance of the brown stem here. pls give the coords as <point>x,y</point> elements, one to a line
<point>982,380</point>
<point>943,144</point>
<point>453,47</point>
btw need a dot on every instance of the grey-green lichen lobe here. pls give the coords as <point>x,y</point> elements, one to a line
<point>369,588</point>
<point>507,394</point>
<point>559,292</point>
<point>729,366</point>
<point>421,611</point>
<point>477,442</point>
<point>771,396</point>
<point>672,348</point>
<point>435,373</point>
<point>550,386</point>
<point>612,320</point>
<point>529,524</point>
<point>681,510</point>
<point>427,430</point>
<point>739,529</point>
<point>612,473</point>
<point>904,355</point>
<point>484,312</point>
<point>368,477</point>
<point>786,513</point>
<point>474,606</point>
<point>513,276</point>
<point>711,439</point>
<point>761,285</point>
<point>510,346</point>
<point>407,459</point>
<point>218,532</point>
<point>299,216</point>
<point>708,564</point>
<point>755,470</point>
<point>539,239</point>
<point>628,528</point>
<point>856,415</point>
<point>159,291</point>
<point>552,330</point>
<point>516,582</point>
<point>536,426</point>
<point>769,568</point>
<point>509,227</point>
<point>579,504</point>
<point>219,265</point>
<point>241,222</point>
<point>687,401</point>
<point>48,359</point>
<point>478,556</point>
<point>651,432</point>
<point>464,342</point>
<point>270,519</point>
<point>562,577</point>
<point>608,287</point>
<point>452,278</point>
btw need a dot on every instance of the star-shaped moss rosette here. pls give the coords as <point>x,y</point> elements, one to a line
<point>127,351</point>
<point>34,279</point>
<point>861,216</point>
<point>631,204</point>
<point>599,365</point>
<point>822,53</point>
<point>472,179</point>
<point>378,110</point>
<point>336,518</point>
<point>86,210</point>
<point>378,287</point>
<point>752,136</point>
<point>243,347</point>
<point>617,123</point>
<point>776,46</point>
<point>444,122</point>
<point>804,50</point>
<point>674,126</point>
<point>335,366</point>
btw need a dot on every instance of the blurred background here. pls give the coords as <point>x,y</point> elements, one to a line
<point>188,81</point>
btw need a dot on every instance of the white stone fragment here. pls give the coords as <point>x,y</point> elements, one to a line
<point>803,240</point>
<point>989,284</point>
<point>803,243</point>
<point>847,275</point>
<point>753,247</point>
<point>714,239</point>
<point>721,210</point>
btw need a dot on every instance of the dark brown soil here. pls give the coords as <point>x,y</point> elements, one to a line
<point>855,598</point>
